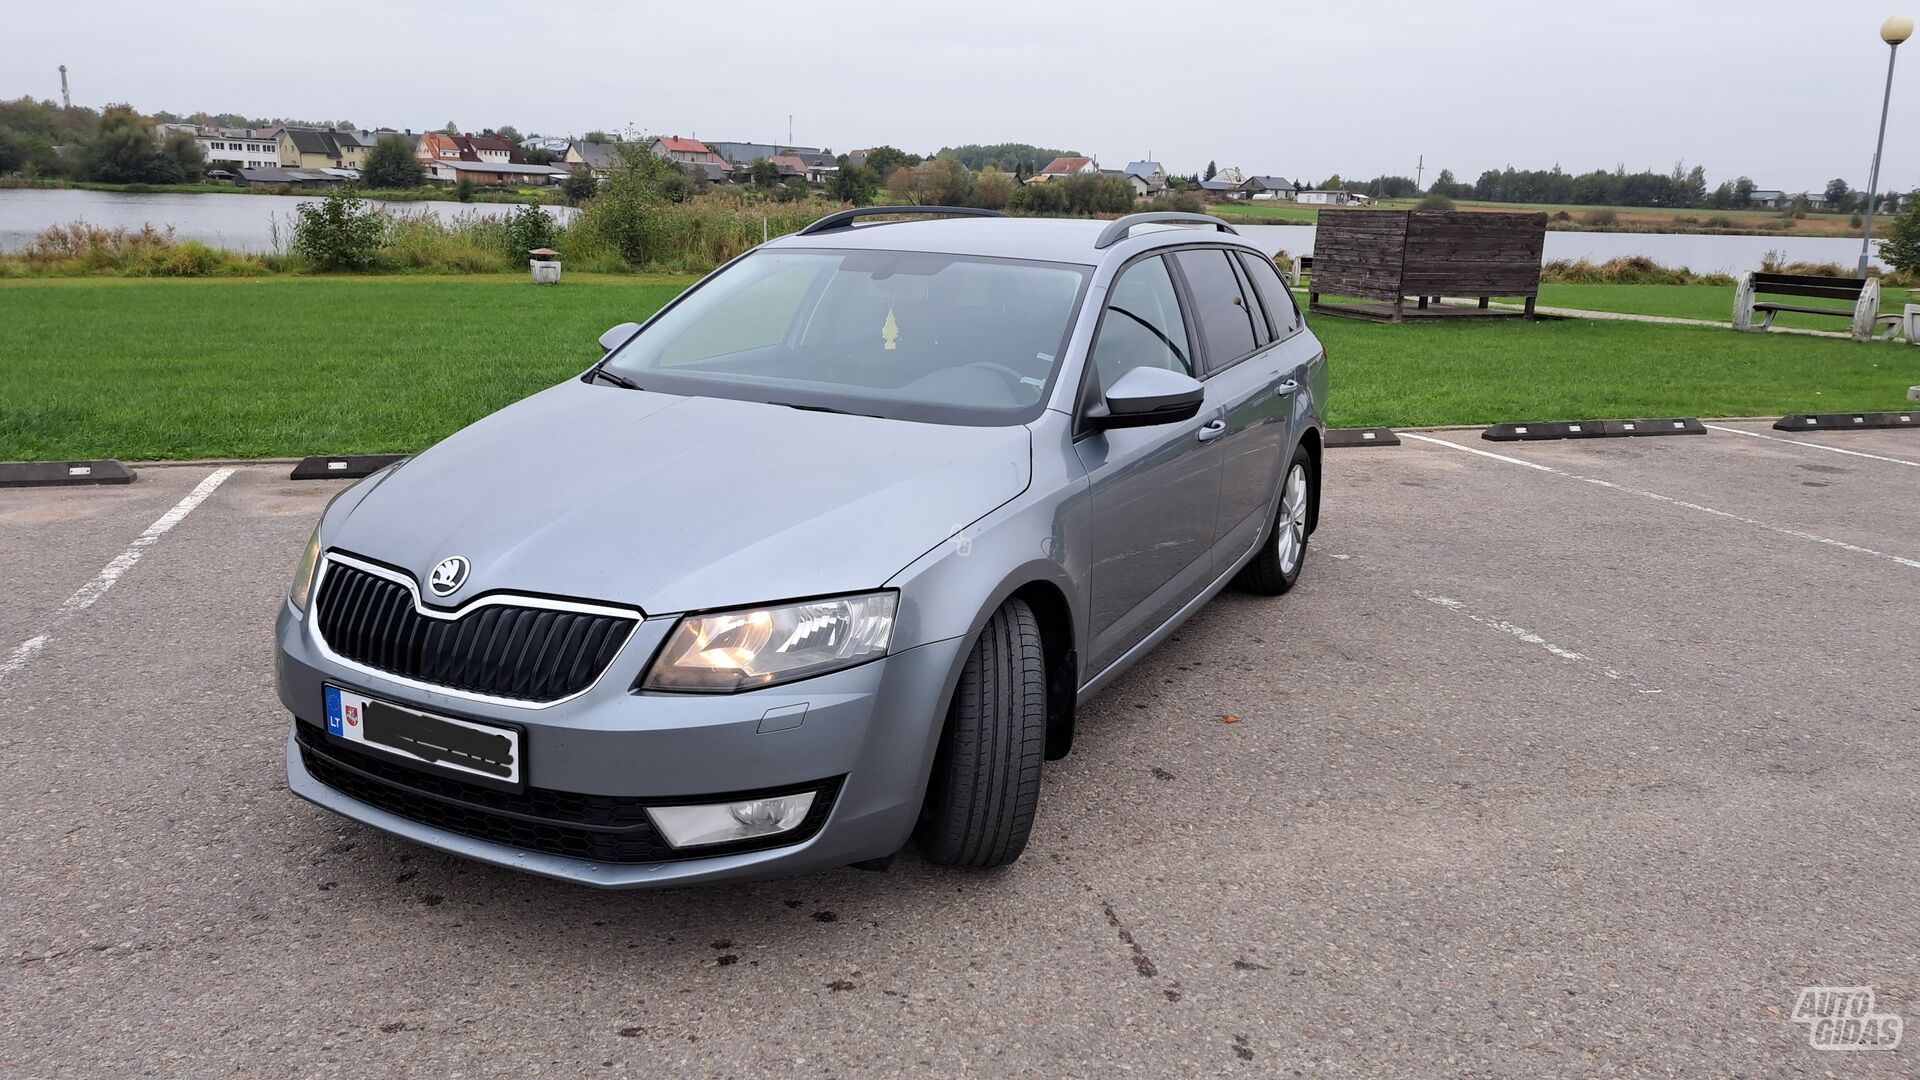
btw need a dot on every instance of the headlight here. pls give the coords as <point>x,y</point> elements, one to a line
<point>303,577</point>
<point>739,650</point>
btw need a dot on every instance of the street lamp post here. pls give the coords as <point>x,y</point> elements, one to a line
<point>1893,32</point>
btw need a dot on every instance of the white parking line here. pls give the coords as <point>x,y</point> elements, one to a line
<point>86,595</point>
<point>1671,501</point>
<point>1814,445</point>
<point>1531,638</point>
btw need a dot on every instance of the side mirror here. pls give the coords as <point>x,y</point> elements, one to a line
<point>1146,396</point>
<point>618,336</point>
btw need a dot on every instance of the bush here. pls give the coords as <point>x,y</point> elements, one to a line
<point>528,228</point>
<point>340,232</point>
<point>1628,270</point>
<point>82,249</point>
<point>1186,202</point>
<point>1602,218</point>
<point>464,190</point>
<point>1435,202</point>
<point>1901,248</point>
<point>579,187</point>
<point>1719,221</point>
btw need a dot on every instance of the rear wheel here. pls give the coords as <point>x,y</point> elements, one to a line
<point>1277,567</point>
<point>986,777</point>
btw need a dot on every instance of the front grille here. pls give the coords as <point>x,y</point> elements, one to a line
<point>602,828</point>
<point>522,653</point>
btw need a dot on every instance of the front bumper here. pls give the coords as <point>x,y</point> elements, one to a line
<point>874,728</point>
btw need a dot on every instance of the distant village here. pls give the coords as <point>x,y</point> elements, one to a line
<point>315,157</point>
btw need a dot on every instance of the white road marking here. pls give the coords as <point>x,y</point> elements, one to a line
<point>1671,501</point>
<point>87,595</point>
<point>1531,638</point>
<point>1814,446</point>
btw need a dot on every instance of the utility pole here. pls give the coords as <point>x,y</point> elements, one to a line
<point>789,129</point>
<point>66,101</point>
<point>1419,173</point>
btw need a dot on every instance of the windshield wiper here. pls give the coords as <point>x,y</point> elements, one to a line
<point>822,408</point>
<point>620,381</point>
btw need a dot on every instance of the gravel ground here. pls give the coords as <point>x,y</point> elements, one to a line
<point>1579,760</point>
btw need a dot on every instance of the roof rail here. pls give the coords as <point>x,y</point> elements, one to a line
<point>1117,231</point>
<point>845,218</point>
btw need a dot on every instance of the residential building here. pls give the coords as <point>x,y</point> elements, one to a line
<point>1231,175</point>
<point>1062,167</point>
<point>684,151</point>
<point>746,153</point>
<point>1331,198</point>
<point>453,171</point>
<point>1267,187</point>
<point>1148,178</point>
<point>1216,188</point>
<point>1768,197</point>
<point>791,167</point>
<point>598,158</point>
<point>552,144</point>
<point>321,148</point>
<point>239,148</point>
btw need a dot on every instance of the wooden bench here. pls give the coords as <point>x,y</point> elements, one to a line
<point>1862,296</point>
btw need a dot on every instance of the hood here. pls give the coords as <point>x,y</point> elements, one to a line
<point>676,503</point>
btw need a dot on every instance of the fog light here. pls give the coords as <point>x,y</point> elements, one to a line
<point>720,823</point>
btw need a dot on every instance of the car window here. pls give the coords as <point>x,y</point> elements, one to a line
<point>1226,321</point>
<point>898,334</point>
<point>753,318</point>
<point>1274,293</point>
<point>1142,326</point>
<point>1262,329</point>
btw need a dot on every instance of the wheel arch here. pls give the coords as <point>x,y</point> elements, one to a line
<point>1310,441</point>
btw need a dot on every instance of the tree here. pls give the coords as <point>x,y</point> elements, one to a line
<point>124,151</point>
<point>1043,199</point>
<point>12,155</point>
<point>595,137</point>
<point>540,155</point>
<point>992,189</point>
<point>1901,248</point>
<point>340,232</point>
<point>507,132</point>
<point>883,160</point>
<point>1213,170</point>
<point>451,128</point>
<point>182,154</point>
<point>1694,187</point>
<point>391,165</point>
<point>1742,193</point>
<point>852,183</point>
<point>1839,195</point>
<point>579,186</point>
<point>763,173</point>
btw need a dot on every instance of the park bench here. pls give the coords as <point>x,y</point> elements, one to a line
<point>1862,295</point>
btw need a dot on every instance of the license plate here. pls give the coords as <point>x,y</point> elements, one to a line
<point>463,746</point>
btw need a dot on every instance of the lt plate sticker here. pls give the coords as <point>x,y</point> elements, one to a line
<point>333,712</point>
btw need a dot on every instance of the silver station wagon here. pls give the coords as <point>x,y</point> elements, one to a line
<point>818,561</point>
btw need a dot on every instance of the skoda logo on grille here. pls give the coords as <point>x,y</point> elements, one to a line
<point>449,575</point>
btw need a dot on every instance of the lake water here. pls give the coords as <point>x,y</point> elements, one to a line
<point>238,222</point>
<point>245,223</point>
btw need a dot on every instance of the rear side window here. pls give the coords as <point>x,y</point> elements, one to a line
<point>1273,293</point>
<point>1225,317</point>
<point>1142,326</point>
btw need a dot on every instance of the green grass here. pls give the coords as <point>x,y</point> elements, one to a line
<point>1461,372</point>
<point>169,369</point>
<point>263,367</point>
<point>1710,302</point>
<point>1266,213</point>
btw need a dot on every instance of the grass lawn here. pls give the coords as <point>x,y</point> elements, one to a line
<point>1711,302</point>
<point>1265,213</point>
<point>257,367</point>
<point>150,369</point>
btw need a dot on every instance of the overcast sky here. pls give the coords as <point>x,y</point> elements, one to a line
<point>1785,91</point>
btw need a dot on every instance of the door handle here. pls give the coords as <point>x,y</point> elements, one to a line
<point>1212,430</point>
<point>1285,388</point>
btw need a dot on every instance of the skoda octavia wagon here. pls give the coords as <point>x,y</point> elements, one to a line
<point>820,560</point>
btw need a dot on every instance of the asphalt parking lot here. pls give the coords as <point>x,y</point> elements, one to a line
<point>1578,759</point>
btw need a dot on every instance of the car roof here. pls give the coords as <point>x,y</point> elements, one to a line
<point>1062,240</point>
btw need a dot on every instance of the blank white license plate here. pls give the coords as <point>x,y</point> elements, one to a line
<point>460,745</point>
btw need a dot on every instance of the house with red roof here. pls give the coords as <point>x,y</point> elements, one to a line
<point>1061,167</point>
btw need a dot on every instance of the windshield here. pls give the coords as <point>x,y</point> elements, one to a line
<point>905,335</point>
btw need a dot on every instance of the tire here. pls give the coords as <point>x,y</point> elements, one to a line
<point>986,776</point>
<point>1284,551</point>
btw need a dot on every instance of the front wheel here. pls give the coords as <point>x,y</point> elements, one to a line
<point>1284,552</point>
<point>986,778</point>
